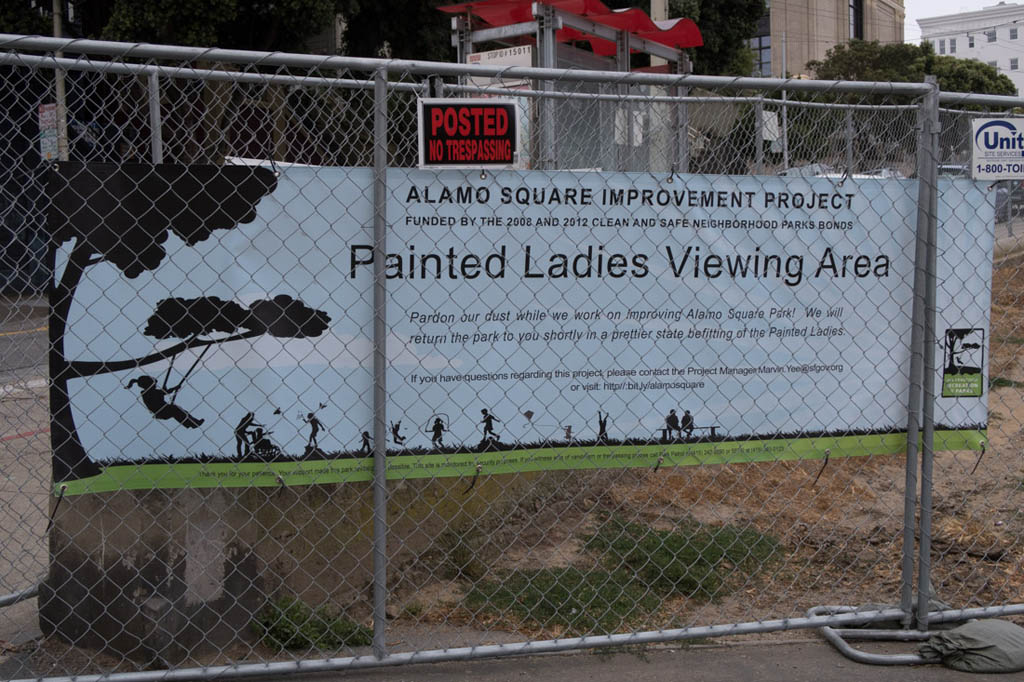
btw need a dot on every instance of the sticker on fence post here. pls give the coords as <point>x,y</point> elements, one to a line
<point>964,355</point>
<point>468,133</point>
<point>997,152</point>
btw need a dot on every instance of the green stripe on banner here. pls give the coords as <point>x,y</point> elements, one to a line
<point>246,474</point>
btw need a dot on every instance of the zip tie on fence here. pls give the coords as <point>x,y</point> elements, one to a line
<point>479,468</point>
<point>53,514</point>
<point>828,451</point>
<point>978,461</point>
<point>660,460</point>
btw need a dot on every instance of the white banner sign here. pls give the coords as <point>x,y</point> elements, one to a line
<point>533,310</point>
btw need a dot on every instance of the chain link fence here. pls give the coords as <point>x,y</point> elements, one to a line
<point>310,407</point>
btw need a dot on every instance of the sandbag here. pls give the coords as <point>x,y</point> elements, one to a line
<point>983,646</point>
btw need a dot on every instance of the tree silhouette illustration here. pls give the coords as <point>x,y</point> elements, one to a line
<point>955,347</point>
<point>208,320</point>
<point>123,215</point>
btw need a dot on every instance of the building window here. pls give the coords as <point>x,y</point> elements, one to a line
<point>942,47</point>
<point>762,48</point>
<point>1013,34</point>
<point>1013,63</point>
<point>856,8</point>
<point>970,41</point>
<point>952,45</point>
<point>991,35</point>
<point>994,65</point>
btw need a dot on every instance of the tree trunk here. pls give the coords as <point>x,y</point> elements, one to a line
<point>70,460</point>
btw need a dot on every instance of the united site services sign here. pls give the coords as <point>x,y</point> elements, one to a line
<point>998,149</point>
<point>537,321</point>
<point>468,133</point>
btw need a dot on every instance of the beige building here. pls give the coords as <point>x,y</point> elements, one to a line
<point>806,29</point>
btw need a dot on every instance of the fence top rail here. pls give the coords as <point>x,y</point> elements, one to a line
<point>969,99</point>
<point>124,68</point>
<point>285,59</point>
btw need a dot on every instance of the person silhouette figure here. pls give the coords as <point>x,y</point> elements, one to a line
<point>602,427</point>
<point>488,422</point>
<point>672,424</point>
<point>438,431</point>
<point>314,429</point>
<point>156,401</point>
<point>366,448</point>
<point>243,447</point>
<point>398,438</point>
<point>686,424</point>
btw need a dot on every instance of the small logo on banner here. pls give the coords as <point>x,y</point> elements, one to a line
<point>963,360</point>
<point>470,133</point>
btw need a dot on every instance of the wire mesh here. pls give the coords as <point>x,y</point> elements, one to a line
<point>541,484</point>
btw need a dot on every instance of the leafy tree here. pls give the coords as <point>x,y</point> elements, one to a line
<point>871,61</point>
<point>415,30</point>
<point>123,215</point>
<point>19,16</point>
<point>726,25</point>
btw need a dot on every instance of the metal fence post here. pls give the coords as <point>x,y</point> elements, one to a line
<point>917,350</point>
<point>156,136</point>
<point>759,136</point>
<point>380,332</point>
<point>849,141</point>
<point>682,127</point>
<point>546,54</point>
<point>931,117</point>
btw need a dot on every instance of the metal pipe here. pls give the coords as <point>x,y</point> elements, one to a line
<point>917,333</point>
<point>759,137</point>
<point>849,141</point>
<point>683,118</point>
<point>486,651</point>
<point>156,137</point>
<point>928,413</point>
<point>966,98</point>
<point>380,359</point>
<point>37,61</point>
<point>179,53</point>
<point>785,111</point>
<point>15,597</point>
<point>546,54</point>
<point>872,659</point>
<point>60,92</point>
<point>955,615</point>
<point>882,635</point>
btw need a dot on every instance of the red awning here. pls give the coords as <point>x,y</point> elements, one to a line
<point>678,33</point>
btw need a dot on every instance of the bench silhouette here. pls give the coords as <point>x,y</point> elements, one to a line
<point>666,434</point>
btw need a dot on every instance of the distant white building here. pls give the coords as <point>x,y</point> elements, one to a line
<point>994,35</point>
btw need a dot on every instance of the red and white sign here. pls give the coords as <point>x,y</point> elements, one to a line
<point>468,133</point>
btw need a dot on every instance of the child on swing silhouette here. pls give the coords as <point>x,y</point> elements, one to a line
<point>156,401</point>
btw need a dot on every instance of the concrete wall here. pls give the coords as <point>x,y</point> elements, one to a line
<point>170,575</point>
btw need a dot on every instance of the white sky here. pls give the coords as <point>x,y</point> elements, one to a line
<point>918,9</point>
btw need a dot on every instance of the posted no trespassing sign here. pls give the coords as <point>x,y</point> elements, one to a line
<point>468,133</point>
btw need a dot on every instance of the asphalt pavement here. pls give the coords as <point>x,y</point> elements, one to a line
<point>797,661</point>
